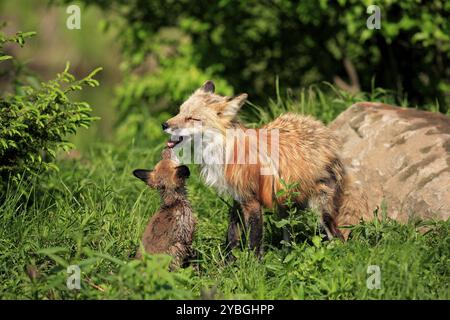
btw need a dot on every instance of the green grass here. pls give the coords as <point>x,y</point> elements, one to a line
<point>92,213</point>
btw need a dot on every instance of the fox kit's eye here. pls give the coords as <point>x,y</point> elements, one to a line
<point>192,119</point>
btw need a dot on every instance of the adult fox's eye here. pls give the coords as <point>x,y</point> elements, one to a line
<point>192,119</point>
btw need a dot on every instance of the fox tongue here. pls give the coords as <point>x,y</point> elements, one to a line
<point>171,144</point>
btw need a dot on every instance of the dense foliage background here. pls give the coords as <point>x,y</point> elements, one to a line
<point>311,57</point>
<point>250,43</point>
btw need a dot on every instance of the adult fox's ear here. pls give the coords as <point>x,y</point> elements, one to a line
<point>208,86</point>
<point>234,104</point>
<point>183,171</point>
<point>142,174</point>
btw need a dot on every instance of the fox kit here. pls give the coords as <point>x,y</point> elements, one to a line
<point>306,154</point>
<point>171,229</point>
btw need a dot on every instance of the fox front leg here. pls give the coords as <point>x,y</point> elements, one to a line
<point>234,229</point>
<point>253,221</point>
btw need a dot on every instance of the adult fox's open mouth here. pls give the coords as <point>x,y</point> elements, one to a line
<point>173,141</point>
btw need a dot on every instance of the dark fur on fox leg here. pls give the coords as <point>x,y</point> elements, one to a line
<point>253,222</point>
<point>250,220</point>
<point>234,234</point>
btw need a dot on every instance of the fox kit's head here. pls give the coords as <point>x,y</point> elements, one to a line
<point>204,110</point>
<point>167,174</point>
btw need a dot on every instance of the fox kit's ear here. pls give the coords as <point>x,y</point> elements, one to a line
<point>142,174</point>
<point>208,86</point>
<point>183,171</point>
<point>234,104</point>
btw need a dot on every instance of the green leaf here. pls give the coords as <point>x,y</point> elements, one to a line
<point>281,223</point>
<point>317,241</point>
<point>2,58</point>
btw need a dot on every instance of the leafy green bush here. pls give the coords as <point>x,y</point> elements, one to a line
<point>35,120</point>
<point>160,76</point>
<point>249,43</point>
<point>298,224</point>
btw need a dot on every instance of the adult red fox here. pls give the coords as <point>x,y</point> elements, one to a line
<point>306,154</point>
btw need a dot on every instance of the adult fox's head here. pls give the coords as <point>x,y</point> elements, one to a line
<point>203,111</point>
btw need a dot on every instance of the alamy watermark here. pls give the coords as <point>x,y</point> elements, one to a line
<point>374,20</point>
<point>374,280</point>
<point>74,278</point>
<point>73,21</point>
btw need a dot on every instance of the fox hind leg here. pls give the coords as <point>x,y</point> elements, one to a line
<point>324,203</point>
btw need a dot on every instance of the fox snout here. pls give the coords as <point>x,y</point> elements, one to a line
<point>172,127</point>
<point>171,124</point>
<point>169,127</point>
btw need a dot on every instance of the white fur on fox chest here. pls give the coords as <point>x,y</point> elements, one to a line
<point>213,167</point>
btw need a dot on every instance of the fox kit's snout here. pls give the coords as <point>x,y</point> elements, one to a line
<point>171,228</point>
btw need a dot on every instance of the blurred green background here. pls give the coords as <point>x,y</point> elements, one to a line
<point>47,53</point>
<point>154,53</point>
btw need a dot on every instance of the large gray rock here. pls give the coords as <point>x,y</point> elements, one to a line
<point>401,156</point>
